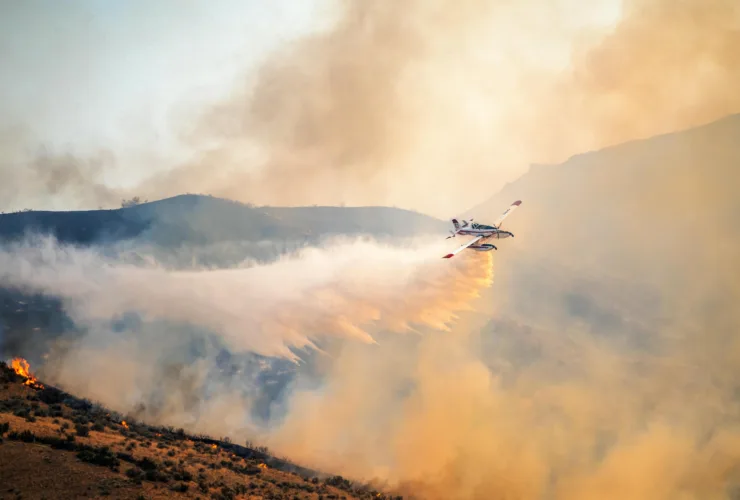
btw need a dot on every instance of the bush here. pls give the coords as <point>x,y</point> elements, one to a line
<point>7,374</point>
<point>249,470</point>
<point>182,475</point>
<point>4,427</point>
<point>179,487</point>
<point>99,456</point>
<point>147,464</point>
<point>82,430</point>
<point>156,476</point>
<point>51,396</point>
<point>41,412</point>
<point>137,475</point>
<point>25,436</point>
<point>22,412</point>
<point>126,457</point>
<point>57,443</point>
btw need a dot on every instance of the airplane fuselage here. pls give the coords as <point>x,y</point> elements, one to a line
<point>480,233</point>
<point>486,233</point>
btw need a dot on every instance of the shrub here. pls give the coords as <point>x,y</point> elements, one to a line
<point>82,430</point>
<point>41,412</point>
<point>182,475</point>
<point>126,457</point>
<point>4,427</point>
<point>51,396</point>
<point>25,436</point>
<point>22,412</point>
<point>179,487</point>
<point>147,464</point>
<point>226,493</point>
<point>158,476</point>
<point>137,475</point>
<point>99,456</point>
<point>57,443</point>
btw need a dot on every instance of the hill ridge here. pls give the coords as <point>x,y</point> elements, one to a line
<point>32,413</point>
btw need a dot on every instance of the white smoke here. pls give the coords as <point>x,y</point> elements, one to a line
<point>344,290</point>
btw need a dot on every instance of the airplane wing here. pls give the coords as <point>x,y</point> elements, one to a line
<point>462,247</point>
<point>508,211</point>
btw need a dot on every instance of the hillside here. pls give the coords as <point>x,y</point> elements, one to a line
<point>614,336</point>
<point>54,445</point>
<point>641,210</point>
<point>199,220</point>
<point>636,245</point>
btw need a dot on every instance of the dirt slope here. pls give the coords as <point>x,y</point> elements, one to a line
<point>53,445</point>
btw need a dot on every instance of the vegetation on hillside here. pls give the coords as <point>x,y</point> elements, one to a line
<point>129,459</point>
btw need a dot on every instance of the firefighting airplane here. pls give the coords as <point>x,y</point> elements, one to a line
<point>481,232</point>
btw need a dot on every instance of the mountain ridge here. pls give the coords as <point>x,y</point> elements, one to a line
<point>201,219</point>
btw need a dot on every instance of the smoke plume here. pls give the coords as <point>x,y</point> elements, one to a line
<point>33,176</point>
<point>267,309</point>
<point>401,100</point>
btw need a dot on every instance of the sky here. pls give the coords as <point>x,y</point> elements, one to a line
<point>88,74</point>
<point>431,105</point>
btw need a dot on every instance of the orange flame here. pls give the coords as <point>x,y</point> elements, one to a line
<point>22,368</point>
<point>124,424</point>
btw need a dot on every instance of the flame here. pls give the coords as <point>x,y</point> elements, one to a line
<point>124,424</point>
<point>214,446</point>
<point>22,368</point>
<point>262,466</point>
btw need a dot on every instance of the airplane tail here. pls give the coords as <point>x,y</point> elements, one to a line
<point>456,224</point>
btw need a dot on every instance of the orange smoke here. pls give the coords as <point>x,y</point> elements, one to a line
<point>22,368</point>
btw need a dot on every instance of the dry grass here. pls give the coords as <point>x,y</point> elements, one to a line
<point>46,452</point>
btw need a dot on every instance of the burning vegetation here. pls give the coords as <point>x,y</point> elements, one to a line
<point>22,368</point>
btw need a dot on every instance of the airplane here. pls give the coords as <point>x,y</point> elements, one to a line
<point>481,232</point>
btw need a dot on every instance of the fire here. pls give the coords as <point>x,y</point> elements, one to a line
<point>124,424</point>
<point>22,368</point>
